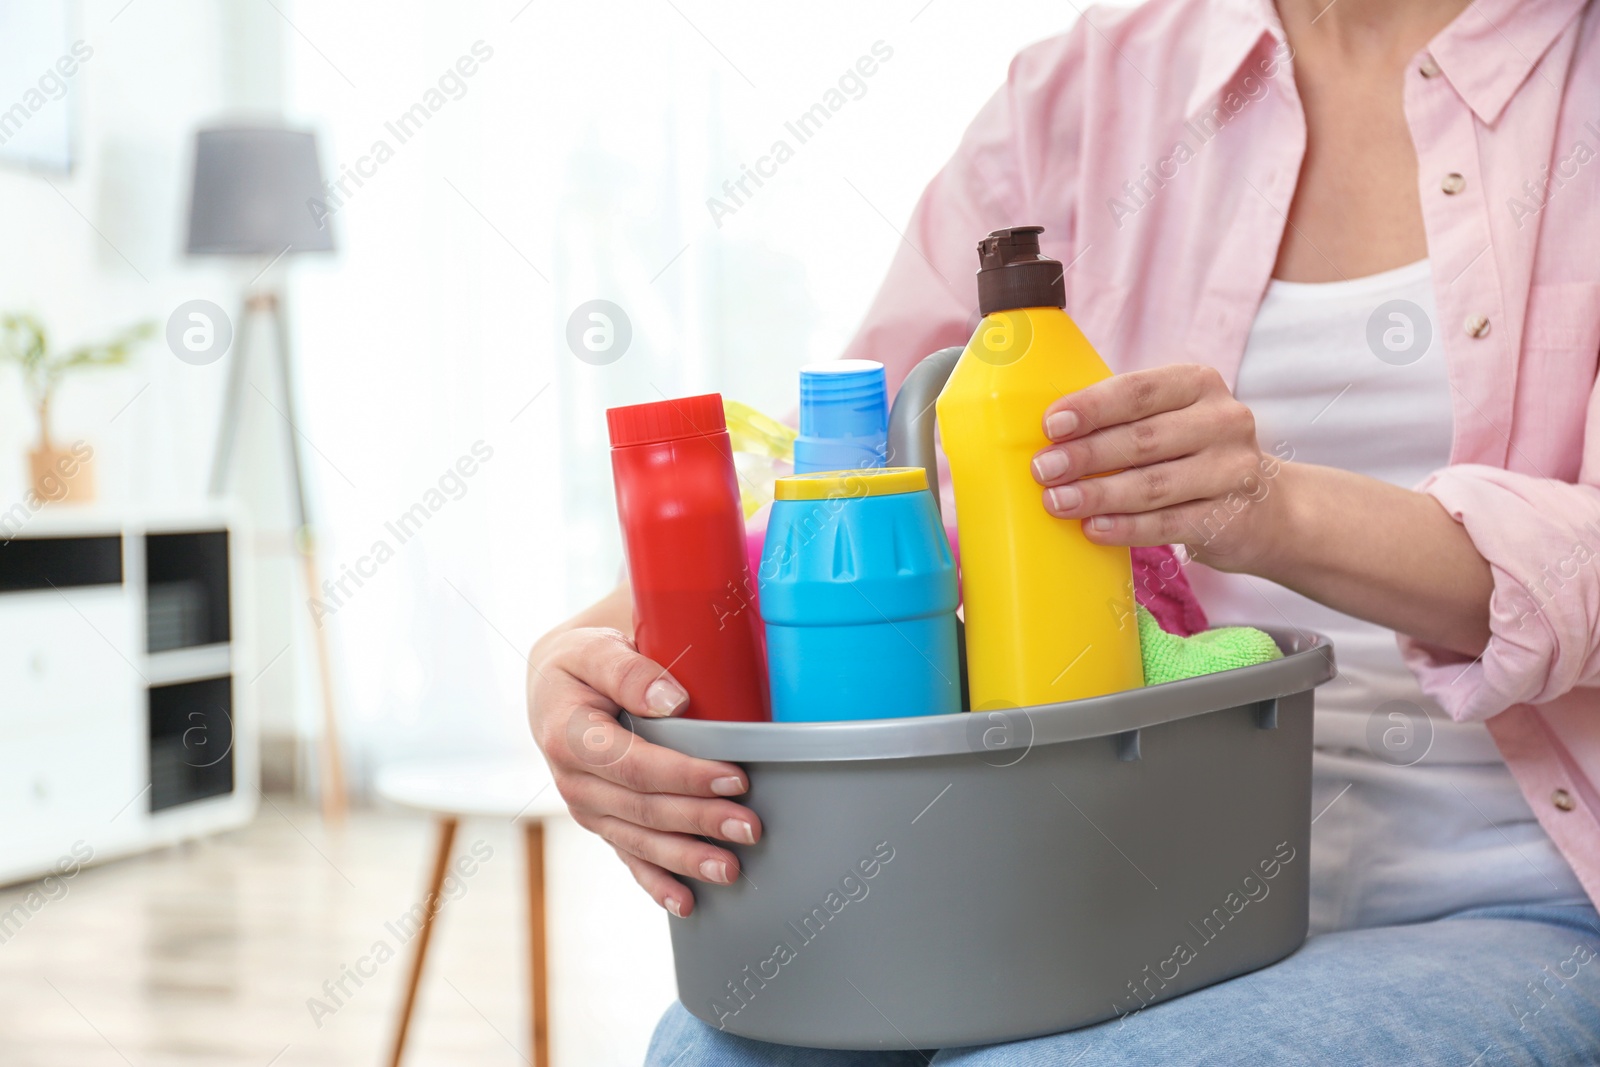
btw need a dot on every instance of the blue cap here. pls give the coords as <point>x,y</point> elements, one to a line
<point>844,416</point>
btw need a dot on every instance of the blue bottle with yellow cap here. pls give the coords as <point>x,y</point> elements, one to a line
<point>858,593</point>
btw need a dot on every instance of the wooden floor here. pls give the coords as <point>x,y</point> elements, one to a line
<point>208,954</point>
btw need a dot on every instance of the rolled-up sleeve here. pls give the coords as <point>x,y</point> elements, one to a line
<point>928,298</point>
<point>1541,538</point>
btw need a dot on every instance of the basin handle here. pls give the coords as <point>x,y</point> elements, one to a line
<point>1128,746</point>
<point>911,422</point>
<point>911,419</point>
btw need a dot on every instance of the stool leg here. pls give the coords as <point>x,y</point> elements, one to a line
<point>441,864</point>
<point>533,830</point>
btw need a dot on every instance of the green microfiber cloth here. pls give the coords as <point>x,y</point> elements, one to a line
<point>1168,657</point>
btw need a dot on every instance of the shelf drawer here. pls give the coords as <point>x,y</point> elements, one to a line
<point>56,791</point>
<point>64,655</point>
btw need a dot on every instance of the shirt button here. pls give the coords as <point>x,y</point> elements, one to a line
<point>1477,325</point>
<point>1562,800</point>
<point>1428,69</point>
<point>1453,183</point>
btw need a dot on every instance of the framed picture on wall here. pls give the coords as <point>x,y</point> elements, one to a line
<point>40,65</point>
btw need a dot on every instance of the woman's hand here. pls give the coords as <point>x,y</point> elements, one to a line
<point>1179,464</point>
<point>649,803</point>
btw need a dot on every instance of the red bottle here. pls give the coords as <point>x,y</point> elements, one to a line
<point>694,599</point>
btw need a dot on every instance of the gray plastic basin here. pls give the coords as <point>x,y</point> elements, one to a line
<point>964,879</point>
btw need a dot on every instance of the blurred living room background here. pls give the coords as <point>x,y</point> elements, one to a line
<point>225,787</point>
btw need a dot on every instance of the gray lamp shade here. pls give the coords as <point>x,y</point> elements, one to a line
<point>252,191</point>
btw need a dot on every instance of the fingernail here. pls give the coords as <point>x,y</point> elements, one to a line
<point>727,787</point>
<point>1048,466</point>
<point>1061,424</point>
<point>674,907</point>
<point>714,871</point>
<point>738,830</point>
<point>664,696</point>
<point>1100,523</point>
<point>1065,497</point>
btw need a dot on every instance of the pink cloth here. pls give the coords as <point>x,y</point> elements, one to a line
<point>1160,147</point>
<point>1161,586</point>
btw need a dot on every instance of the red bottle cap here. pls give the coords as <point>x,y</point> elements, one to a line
<point>666,420</point>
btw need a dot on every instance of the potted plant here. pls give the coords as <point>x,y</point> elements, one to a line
<point>59,473</point>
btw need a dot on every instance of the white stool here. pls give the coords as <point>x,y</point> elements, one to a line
<point>451,791</point>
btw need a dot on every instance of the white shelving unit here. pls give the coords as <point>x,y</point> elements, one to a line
<point>126,719</point>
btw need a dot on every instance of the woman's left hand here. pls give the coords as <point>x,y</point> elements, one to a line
<point>1178,461</point>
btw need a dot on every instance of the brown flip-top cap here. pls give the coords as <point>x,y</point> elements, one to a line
<point>1012,273</point>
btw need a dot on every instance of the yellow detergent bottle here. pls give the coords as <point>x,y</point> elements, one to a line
<point>1049,614</point>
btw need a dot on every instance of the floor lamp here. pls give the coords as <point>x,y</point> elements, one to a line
<point>252,196</point>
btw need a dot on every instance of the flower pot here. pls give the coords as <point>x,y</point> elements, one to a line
<point>63,475</point>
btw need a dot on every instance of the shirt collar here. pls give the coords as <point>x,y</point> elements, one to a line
<point>1493,46</point>
<point>1487,52</point>
<point>1233,30</point>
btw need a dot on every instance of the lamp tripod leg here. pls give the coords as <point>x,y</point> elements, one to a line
<point>335,799</point>
<point>331,785</point>
<point>232,403</point>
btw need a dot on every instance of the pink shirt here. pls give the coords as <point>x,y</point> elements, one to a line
<point>1160,147</point>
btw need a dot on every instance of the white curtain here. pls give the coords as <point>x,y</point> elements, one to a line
<point>504,163</point>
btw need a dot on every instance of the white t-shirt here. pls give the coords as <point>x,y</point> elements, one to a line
<point>1416,815</point>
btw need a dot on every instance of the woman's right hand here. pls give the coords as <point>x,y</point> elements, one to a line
<point>649,803</point>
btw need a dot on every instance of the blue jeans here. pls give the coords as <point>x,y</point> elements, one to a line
<point>1503,985</point>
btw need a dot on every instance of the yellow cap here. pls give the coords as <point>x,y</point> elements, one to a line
<point>871,481</point>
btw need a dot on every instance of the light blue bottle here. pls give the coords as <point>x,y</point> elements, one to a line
<point>858,593</point>
<point>844,416</point>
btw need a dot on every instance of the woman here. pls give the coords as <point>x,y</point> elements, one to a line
<point>1356,237</point>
